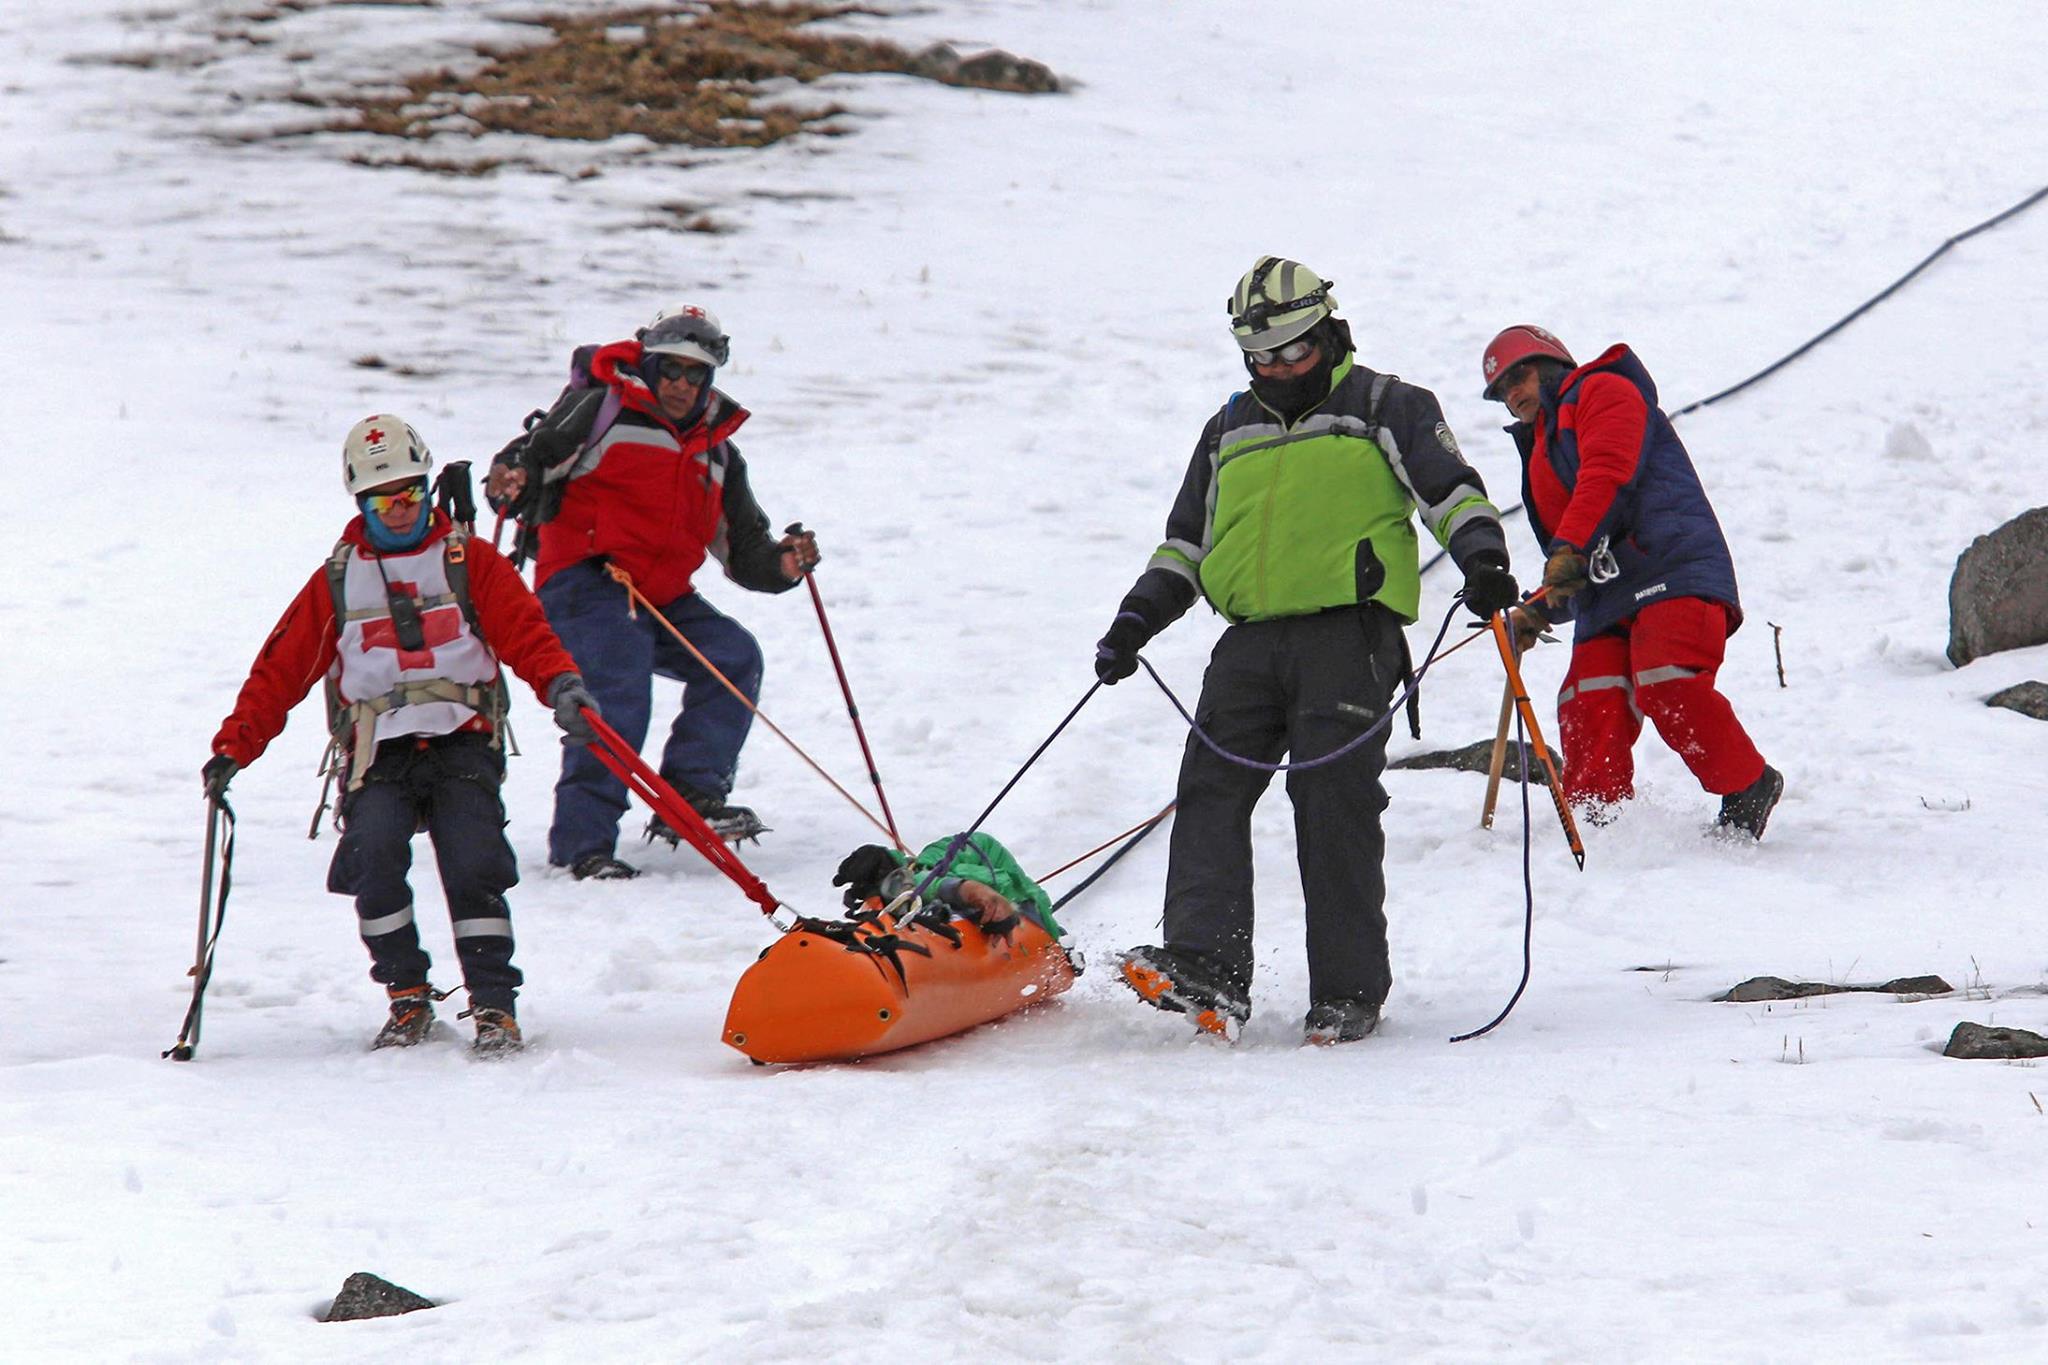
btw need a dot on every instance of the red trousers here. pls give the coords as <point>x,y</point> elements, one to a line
<point>1659,663</point>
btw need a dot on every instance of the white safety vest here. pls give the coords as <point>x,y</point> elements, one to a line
<point>434,690</point>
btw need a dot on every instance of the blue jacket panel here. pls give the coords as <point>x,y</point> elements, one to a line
<point>1660,527</point>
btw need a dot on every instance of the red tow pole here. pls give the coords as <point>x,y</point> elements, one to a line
<point>626,764</point>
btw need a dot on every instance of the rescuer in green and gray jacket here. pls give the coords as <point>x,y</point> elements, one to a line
<point>1295,520</point>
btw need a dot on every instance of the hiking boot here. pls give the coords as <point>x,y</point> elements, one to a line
<point>497,1032</point>
<point>1749,810</point>
<point>412,1015</point>
<point>1338,1021</point>
<point>1185,983</point>
<point>602,866</point>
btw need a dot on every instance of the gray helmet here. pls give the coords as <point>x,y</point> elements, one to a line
<point>687,331</point>
<point>1277,301</point>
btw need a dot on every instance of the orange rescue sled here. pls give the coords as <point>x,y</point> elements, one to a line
<point>836,990</point>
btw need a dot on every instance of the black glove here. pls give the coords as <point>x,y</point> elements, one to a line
<point>1489,587</point>
<point>862,872</point>
<point>1116,653</point>
<point>217,773</point>
<point>569,696</point>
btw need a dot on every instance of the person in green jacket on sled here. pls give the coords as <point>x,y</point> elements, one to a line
<point>982,882</point>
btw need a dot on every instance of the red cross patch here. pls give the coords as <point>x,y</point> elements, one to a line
<point>439,626</point>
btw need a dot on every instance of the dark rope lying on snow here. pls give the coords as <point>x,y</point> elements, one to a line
<point>2036,197</point>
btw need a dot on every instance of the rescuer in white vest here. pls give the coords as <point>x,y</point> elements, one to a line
<point>407,622</point>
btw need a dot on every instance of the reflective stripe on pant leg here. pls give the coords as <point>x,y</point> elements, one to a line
<point>483,928</point>
<point>1597,721</point>
<point>466,819</point>
<point>1678,646</point>
<point>370,863</point>
<point>384,924</point>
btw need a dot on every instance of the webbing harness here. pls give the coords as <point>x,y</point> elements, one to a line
<point>352,727</point>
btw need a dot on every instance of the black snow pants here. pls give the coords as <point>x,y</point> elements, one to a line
<point>1303,686</point>
<point>448,786</point>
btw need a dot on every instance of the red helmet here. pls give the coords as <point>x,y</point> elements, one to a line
<point>1515,345</point>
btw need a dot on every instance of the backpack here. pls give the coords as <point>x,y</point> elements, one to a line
<point>549,447</point>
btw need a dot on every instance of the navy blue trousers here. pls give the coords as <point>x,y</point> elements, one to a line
<point>448,786</point>
<point>618,654</point>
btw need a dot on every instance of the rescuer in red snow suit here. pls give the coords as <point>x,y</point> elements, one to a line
<point>1637,559</point>
<point>408,620</point>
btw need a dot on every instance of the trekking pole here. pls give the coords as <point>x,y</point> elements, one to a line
<point>846,690</point>
<point>1503,638</point>
<point>219,815</point>
<point>633,592</point>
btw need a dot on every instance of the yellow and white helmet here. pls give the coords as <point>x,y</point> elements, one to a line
<point>1277,301</point>
<point>382,449</point>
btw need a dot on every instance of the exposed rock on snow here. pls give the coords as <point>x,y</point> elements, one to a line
<point>994,69</point>
<point>1998,598</point>
<point>364,1295</point>
<point>1478,758</point>
<point>1778,988</point>
<point>1978,1041</point>
<point>2027,698</point>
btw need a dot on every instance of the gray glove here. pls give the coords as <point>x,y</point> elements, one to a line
<point>217,773</point>
<point>569,696</point>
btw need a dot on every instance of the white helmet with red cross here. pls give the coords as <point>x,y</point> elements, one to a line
<point>382,449</point>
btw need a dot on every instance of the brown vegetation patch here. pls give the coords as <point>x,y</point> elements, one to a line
<point>674,77</point>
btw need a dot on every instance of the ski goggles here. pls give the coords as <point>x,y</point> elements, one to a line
<point>672,369</point>
<point>412,495</point>
<point>1290,354</point>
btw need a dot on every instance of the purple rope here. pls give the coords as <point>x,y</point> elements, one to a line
<point>1303,765</point>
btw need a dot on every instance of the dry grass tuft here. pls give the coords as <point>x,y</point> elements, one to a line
<point>675,78</point>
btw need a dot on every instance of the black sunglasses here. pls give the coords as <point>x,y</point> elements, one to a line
<point>673,369</point>
<point>1513,375</point>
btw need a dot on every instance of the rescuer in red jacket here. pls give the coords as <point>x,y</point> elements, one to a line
<point>1636,559</point>
<point>407,621</point>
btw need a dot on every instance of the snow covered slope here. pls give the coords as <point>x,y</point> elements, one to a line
<point>980,335</point>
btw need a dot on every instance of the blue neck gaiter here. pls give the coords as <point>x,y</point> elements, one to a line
<point>384,542</point>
